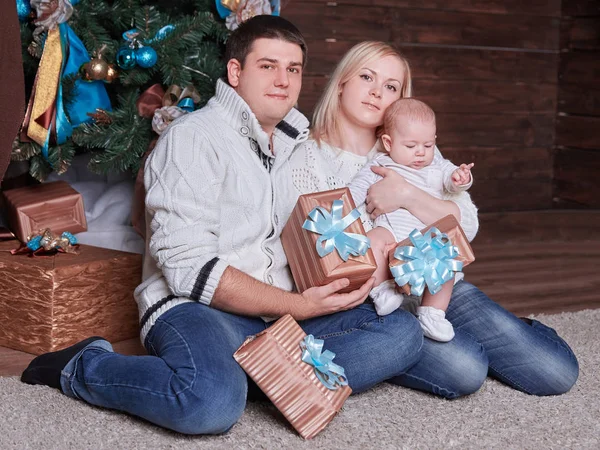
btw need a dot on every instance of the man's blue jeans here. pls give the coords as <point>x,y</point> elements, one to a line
<point>190,382</point>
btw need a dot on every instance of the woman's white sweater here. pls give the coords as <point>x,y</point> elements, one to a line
<point>321,167</point>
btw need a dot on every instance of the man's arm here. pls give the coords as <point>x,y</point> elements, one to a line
<point>184,238</point>
<point>183,176</point>
<point>242,294</point>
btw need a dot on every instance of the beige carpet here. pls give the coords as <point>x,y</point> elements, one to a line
<point>385,417</point>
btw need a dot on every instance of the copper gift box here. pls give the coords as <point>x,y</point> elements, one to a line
<point>50,302</point>
<point>53,205</point>
<point>450,226</point>
<point>273,359</point>
<point>308,268</point>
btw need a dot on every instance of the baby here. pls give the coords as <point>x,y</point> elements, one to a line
<point>410,150</point>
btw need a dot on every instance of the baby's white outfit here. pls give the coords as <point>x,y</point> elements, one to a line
<point>436,180</point>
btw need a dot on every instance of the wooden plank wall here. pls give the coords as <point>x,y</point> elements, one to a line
<point>577,153</point>
<point>489,70</point>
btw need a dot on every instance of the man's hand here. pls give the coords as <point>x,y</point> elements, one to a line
<point>323,300</point>
<point>389,194</point>
<point>462,175</point>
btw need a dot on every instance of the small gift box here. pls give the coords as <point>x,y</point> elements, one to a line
<point>50,302</point>
<point>53,205</point>
<point>324,240</point>
<point>291,369</point>
<point>430,257</point>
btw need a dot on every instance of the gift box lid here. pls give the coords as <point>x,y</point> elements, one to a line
<point>54,205</point>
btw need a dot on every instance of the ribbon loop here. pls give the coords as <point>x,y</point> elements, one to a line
<point>329,373</point>
<point>431,262</point>
<point>331,227</point>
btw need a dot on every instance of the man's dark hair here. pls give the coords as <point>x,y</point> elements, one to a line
<point>264,26</point>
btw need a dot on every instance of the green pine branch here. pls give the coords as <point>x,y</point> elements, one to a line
<point>122,143</point>
<point>190,54</point>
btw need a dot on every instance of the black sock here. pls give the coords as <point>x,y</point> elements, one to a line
<point>46,369</point>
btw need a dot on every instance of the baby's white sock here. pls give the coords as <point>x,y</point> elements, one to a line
<point>386,298</point>
<point>434,324</point>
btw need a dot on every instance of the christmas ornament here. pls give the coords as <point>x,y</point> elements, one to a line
<point>100,117</point>
<point>51,13</point>
<point>237,11</point>
<point>126,58</point>
<point>97,69</point>
<point>23,10</point>
<point>164,107</point>
<point>112,74</point>
<point>145,57</point>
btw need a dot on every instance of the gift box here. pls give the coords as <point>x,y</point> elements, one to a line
<point>275,360</point>
<point>50,302</point>
<point>452,229</point>
<point>53,205</point>
<point>308,268</point>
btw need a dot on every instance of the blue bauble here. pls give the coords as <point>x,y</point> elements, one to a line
<point>146,57</point>
<point>23,10</point>
<point>126,58</point>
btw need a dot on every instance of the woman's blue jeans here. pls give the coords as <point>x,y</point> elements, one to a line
<point>190,382</point>
<point>492,341</point>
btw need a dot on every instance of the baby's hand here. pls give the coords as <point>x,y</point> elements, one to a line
<point>462,175</point>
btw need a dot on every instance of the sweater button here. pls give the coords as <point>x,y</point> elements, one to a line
<point>245,115</point>
<point>269,251</point>
<point>276,219</point>
<point>245,131</point>
<point>270,278</point>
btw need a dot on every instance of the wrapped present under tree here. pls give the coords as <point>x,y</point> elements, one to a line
<point>50,302</point>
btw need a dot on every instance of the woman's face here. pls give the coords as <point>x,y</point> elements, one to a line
<point>365,97</point>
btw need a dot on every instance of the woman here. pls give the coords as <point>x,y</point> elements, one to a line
<point>522,353</point>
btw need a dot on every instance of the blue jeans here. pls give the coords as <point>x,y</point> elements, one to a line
<point>190,382</point>
<point>490,340</point>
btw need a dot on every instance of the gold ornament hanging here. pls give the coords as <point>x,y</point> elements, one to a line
<point>96,69</point>
<point>112,74</point>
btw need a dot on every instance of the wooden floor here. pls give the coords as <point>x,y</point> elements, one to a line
<point>530,262</point>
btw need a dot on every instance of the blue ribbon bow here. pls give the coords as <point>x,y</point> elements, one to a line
<point>331,227</point>
<point>430,262</point>
<point>329,373</point>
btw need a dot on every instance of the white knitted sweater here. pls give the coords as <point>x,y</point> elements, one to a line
<point>319,168</point>
<point>211,202</point>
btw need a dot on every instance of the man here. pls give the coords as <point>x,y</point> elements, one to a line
<point>213,258</point>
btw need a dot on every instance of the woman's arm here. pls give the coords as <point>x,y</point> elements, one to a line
<point>393,192</point>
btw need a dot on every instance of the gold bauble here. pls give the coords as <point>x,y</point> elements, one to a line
<point>97,69</point>
<point>112,74</point>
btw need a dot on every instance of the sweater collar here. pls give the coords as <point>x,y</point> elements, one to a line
<point>291,130</point>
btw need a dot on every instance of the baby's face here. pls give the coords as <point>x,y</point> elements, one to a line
<point>412,143</point>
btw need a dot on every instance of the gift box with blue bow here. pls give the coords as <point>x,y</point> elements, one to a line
<point>431,257</point>
<point>324,240</point>
<point>297,374</point>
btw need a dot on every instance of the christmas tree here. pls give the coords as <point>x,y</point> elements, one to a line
<point>151,61</point>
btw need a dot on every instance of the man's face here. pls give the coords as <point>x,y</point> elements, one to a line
<point>270,79</point>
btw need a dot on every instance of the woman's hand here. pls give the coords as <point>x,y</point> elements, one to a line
<point>389,194</point>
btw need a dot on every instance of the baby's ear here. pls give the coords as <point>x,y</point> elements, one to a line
<point>387,142</point>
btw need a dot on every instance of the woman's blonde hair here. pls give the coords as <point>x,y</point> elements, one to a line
<point>325,124</point>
